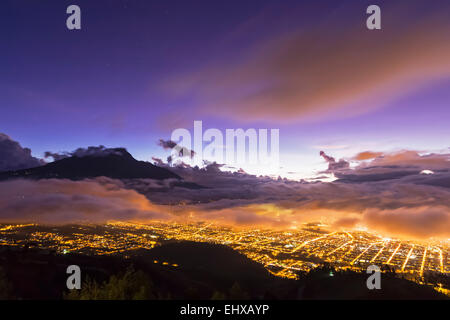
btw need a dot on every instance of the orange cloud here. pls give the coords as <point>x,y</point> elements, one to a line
<point>367,155</point>
<point>347,222</point>
<point>407,158</point>
<point>329,69</point>
<point>64,201</point>
<point>420,222</point>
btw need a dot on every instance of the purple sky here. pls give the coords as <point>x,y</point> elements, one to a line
<point>139,69</point>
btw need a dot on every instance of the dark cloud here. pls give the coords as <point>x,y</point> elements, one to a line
<point>334,165</point>
<point>348,177</point>
<point>92,151</point>
<point>396,165</point>
<point>158,161</point>
<point>167,144</point>
<point>14,157</point>
<point>439,180</point>
<point>56,156</point>
<point>180,151</point>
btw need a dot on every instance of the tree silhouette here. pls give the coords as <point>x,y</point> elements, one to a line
<point>236,293</point>
<point>5,287</point>
<point>133,285</point>
<point>217,295</point>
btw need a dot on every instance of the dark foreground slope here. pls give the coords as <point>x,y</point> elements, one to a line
<point>117,165</point>
<point>182,270</point>
<point>350,285</point>
<point>202,271</point>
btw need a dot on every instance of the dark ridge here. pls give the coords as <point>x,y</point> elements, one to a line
<point>116,165</point>
<point>214,267</point>
<point>209,258</point>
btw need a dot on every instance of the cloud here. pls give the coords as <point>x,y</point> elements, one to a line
<point>64,201</point>
<point>158,161</point>
<point>241,199</point>
<point>246,216</point>
<point>180,151</point>
<point>347,222</point>
<point>367,155</point>
<point>334,165</point>
<point>333,67</point>
<point>413,205</point>
<point>167,144</point>
<point>56,156</point>
<point>423,221</point>
<point>395,165</point>
<point>92,151</point>
<point>14,157</point>
<point>413,159</point>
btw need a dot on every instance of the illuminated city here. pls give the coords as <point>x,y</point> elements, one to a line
<point>283,253</point>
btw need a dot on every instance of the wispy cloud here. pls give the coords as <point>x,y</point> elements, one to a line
<point>335,67</point>
<point>14,157</point>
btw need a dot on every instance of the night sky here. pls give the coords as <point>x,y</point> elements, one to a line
<point>139,69</point>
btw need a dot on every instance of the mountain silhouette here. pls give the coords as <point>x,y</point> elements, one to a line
<point>116,164</point>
